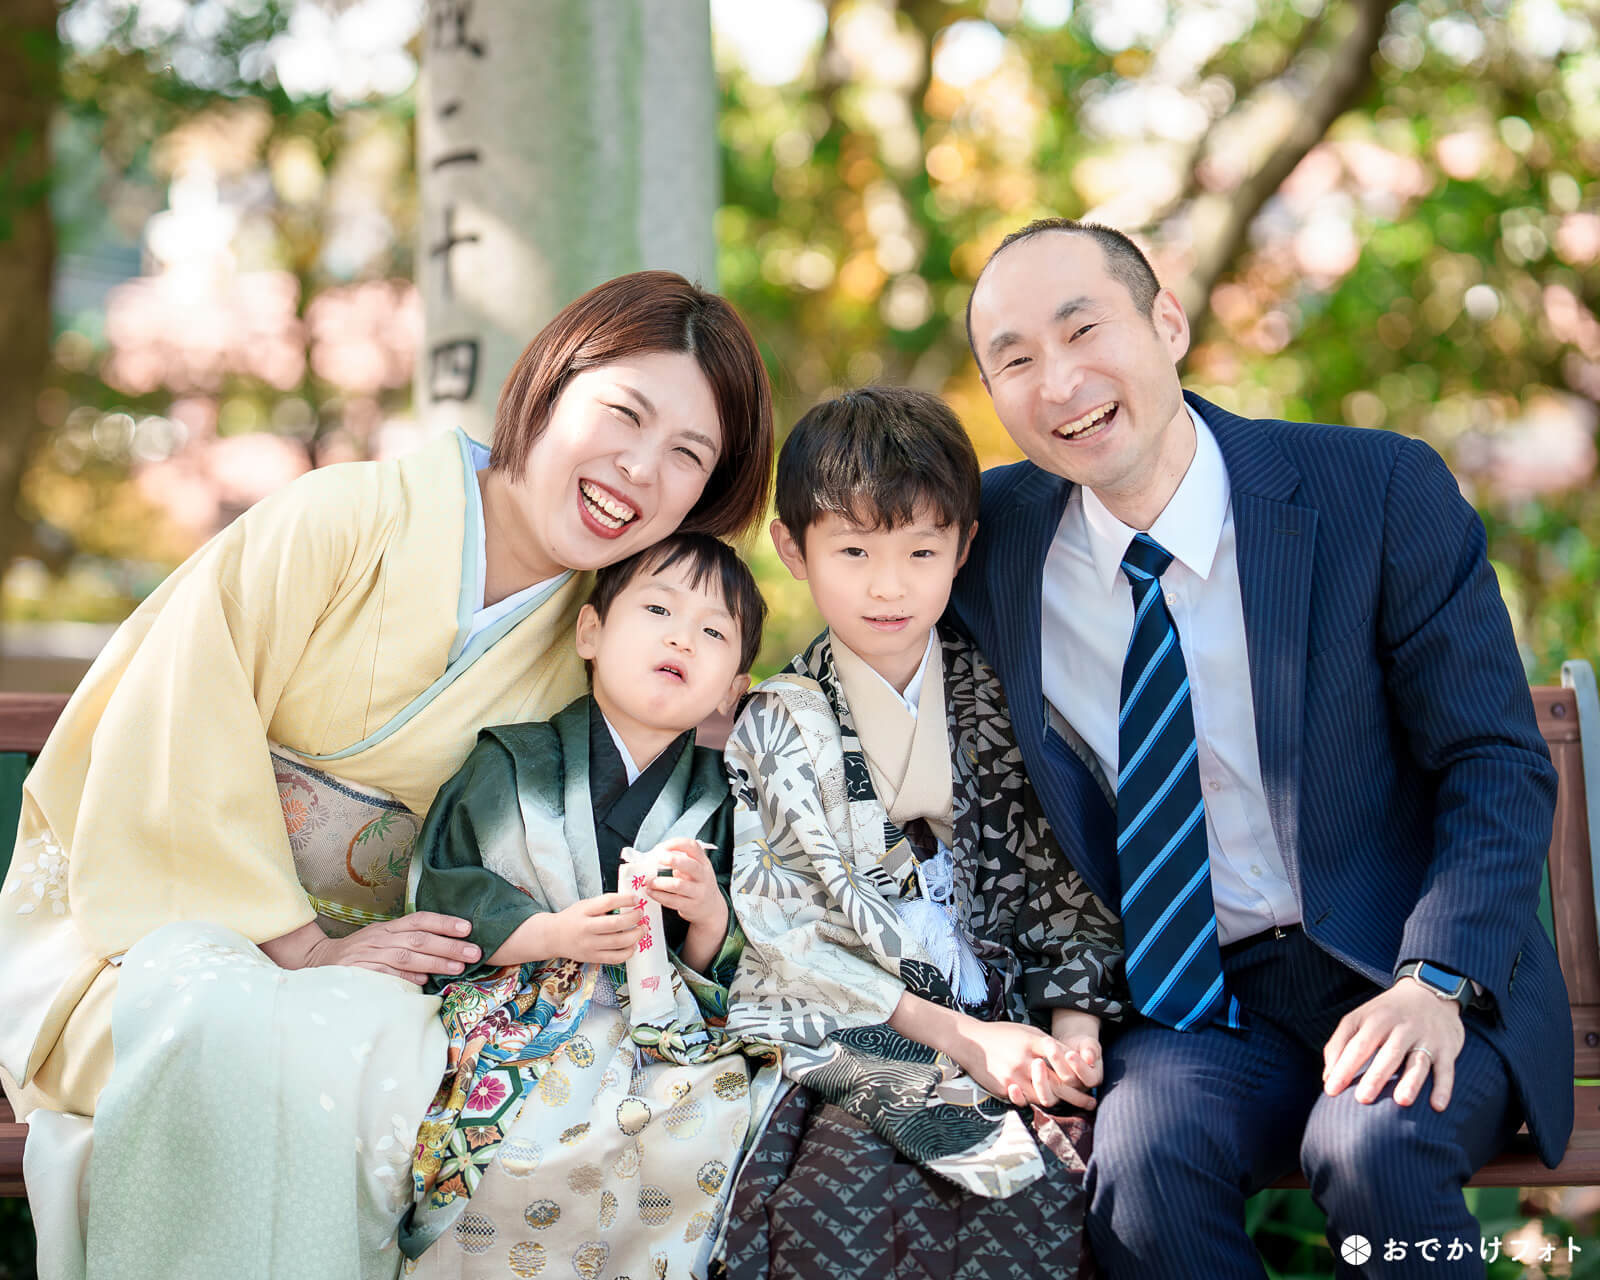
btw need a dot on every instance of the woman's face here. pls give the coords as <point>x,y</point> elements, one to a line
<point>626,455</point>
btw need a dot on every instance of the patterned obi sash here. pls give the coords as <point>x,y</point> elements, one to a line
<point>352,845</point>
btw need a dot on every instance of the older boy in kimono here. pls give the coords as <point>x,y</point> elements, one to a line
<point>631,1124</point>
<point>933,968</point>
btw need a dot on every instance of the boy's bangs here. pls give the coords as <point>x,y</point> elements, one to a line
<point>892,502</point>
<point>707,559</point>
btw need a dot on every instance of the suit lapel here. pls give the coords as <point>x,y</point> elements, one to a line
<point>1275,540</point>
<point>1015,564</point>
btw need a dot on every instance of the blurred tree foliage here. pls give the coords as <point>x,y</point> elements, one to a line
<point>1378,213</point>
<point>163,89</point>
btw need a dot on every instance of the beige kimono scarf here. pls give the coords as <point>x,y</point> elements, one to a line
<point>908,756</point>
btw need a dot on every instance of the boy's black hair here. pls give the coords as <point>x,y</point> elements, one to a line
<point>707,557</point>
<point>875,456</point>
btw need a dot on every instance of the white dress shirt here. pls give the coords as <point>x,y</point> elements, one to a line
<point>1087,620</point>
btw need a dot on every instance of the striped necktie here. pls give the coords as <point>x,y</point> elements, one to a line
<point>1169,922</point>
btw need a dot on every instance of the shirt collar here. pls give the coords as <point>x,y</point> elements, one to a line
<point>912,695</point>
<point>630,769</point>
<point>1190,526</point>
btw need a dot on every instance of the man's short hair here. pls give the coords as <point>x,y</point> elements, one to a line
<point>707,558</point>
<point>1124,260</point>
<point>877,456</point>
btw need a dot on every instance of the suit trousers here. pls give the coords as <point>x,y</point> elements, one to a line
<point>1191,1123</point>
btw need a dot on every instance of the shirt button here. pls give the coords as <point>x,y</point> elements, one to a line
<point>1256,871</point>
<point>1172,597</point>
<point>1214,785</point>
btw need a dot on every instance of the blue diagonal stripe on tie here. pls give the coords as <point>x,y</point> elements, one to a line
<point>1144,606</point>
<point>1160,860</point>
<point>1134,827</point>
<point>1154,931</point>
<point>1203,1004</point>
<point>1126,771</point>
<point>1207,932</point>
<point>1132,695</point>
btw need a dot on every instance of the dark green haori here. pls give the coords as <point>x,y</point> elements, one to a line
<point>542,1056</point>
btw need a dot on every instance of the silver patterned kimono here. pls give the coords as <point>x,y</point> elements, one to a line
<point>819,869</point>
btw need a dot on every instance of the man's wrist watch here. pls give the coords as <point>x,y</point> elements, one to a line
<point>1441,982</point>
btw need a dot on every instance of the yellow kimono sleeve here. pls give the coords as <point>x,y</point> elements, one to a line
<point>157,787</point>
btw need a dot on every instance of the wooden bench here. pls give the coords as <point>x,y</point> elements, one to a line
<point>1568,910</point>
<point>25,722</point>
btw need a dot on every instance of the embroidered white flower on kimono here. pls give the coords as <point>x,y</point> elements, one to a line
<point>207,954</point>
<point>49,877</point>
<point>391,1164</point>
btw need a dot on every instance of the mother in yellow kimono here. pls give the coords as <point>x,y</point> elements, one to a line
<point>251,751</point>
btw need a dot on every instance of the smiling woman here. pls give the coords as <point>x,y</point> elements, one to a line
<point>654,312</point>
<point>334,653</point>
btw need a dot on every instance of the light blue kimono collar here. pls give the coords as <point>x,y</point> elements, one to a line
<point>463,653</point>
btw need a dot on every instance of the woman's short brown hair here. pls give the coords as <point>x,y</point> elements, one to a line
<point>643,312</point>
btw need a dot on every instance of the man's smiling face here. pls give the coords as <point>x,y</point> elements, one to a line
<point>1083,380</point>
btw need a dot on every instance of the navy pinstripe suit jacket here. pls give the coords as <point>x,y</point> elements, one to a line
<point>1409,788</point>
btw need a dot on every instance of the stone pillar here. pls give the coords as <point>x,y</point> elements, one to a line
<point>560,143</point>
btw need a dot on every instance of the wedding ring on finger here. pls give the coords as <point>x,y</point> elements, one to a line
<point>1424,1050</point>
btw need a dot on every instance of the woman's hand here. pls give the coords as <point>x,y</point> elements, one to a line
<point>414,947</point>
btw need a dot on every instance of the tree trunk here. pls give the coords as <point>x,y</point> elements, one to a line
<point>560,143</point>
<point>29,80</point>
<point>1227,216</point>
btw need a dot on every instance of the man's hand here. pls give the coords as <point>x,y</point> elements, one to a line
<point>1406,1027</point>
<point>414,947</point>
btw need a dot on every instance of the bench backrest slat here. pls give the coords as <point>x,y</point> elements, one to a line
<point>1572,882</point>
<point>27,718</point>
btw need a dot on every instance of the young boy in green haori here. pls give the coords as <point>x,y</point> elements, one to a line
<point>590,1138</point>
<point>933,968</point>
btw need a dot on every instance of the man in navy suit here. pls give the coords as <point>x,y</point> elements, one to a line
<point>1267,691</point>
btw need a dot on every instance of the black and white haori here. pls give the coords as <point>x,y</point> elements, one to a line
<point>864,870</point>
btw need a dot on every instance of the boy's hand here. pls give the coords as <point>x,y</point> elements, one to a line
<point>1079,1034</point>
<point>1020,1064</point>
<point>691,890</point>
<point>588,932</point>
